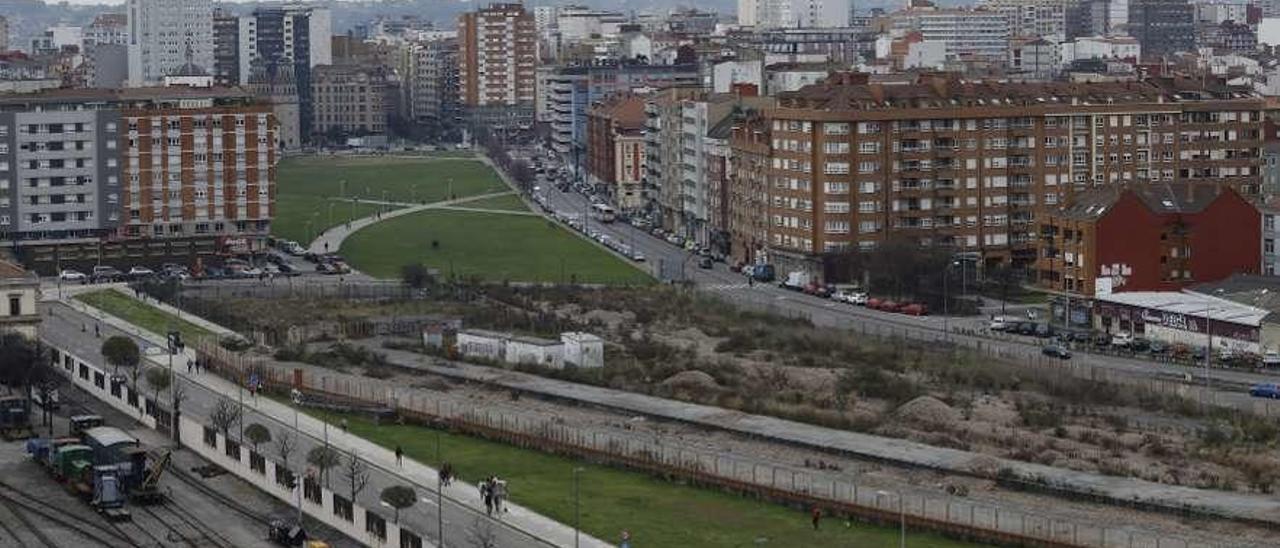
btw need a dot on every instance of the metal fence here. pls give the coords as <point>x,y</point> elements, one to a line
<point>837,493</point>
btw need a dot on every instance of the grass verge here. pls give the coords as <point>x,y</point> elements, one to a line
<point>493,247</point>
<point>141,314</point>
<point>654,511</point>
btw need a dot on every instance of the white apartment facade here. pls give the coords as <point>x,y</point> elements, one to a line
<point>165,34</point>
<point>966,33</point>
<point>782,14</point>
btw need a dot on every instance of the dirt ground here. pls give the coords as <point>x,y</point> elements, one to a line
<point>867,473</point>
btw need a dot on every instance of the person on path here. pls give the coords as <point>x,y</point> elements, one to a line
<point>344,425</point>
<point>399,456</point>
<point>817,516</point>
<point>486,493</point>
<point>190,365</point>
<point>97,330</point>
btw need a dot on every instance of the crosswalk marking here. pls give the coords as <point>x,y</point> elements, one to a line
<point>725,287</point>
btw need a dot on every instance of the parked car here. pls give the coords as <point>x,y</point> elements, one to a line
<point>1157,347</point>
<point>1056,351</point>
<point>138,272</point>
<point>1265,390</point>
<point>1271,358</point>
<point>1139,345</point>
<point>705,263</point>
<point>914,309</point>
<point>858,298</point>
<point>289,270</point>
<point>637,257</point>
<point>106,273</point>
<point>999,323</point>
<point>69,275</point>
<point>1026,328</point>
<point>326,268</point>
<point>1122,339</point>
<point>1043,330</point>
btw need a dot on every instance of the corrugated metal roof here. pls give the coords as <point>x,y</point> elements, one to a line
<point>1191,304</point>
<point>108,436</point>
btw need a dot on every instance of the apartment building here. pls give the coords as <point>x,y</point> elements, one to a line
<point>1162,27</point>
<point>968,34</point>
<point>617,148</point>
<point>431,80</point>
<point>571,91</point>
<point>20,294</point>
<point>973,164</point>
<point>165,35</point>
<point>497,60</point>
<point>83,171</point>
<point>107,29</point>
<point>351,99</point>
<point>790,14</point>
<point>4,33</point>
<point>1032,18</point>
<point>1164,236</point>
<point>663,153</point>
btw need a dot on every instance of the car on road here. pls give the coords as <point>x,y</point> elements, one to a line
<point>289,270</point>
<point>106,273</point>
<point>1122,339</point>
<point>139,272</point>
<point>1056,351</point>
<point>70,275</point>
<point>705,263</point>
<point>637,257</point>
<point>1265,390</point>
<point>999,323</point>
<point>1271,358</point>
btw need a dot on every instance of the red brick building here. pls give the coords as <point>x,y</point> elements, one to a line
<point>1150,237</point>
<point>615,130</point>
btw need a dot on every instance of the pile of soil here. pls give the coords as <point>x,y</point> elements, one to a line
<point>692,382</point>
<point>928,411</point>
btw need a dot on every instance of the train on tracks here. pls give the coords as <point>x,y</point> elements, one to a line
<point>104,465</point>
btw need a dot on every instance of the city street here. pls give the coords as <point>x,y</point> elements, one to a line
<point>1230,387</point>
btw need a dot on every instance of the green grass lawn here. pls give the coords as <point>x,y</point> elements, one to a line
<point>293,212</point>
<point>494,247</point>
<point>142,315</point>
<point>510,202</point>
<point>656,512</point>
<point>307,184</point>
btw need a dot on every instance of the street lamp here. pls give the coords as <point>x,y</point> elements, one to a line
<point>439,495</point>
<point>577,507</point>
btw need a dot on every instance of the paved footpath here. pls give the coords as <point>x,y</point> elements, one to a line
<point>411,473</point>
<point>338,234</point>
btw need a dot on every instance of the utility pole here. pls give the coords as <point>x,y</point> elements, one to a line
<point>439,494</point>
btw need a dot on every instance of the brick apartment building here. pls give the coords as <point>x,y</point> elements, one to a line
<point>973,164</point>
<point>351,99</point>
<point>1150,237</point>
<point>615,130</point>
<point>90,175</point>
<point>497,64</point>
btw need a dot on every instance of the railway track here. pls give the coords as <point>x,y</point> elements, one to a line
<point>19,503</point>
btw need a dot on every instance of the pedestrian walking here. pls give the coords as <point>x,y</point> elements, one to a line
<point>817,516</point>
<point>486,493</point>
<point>190,365</point>
<point>499,493</point>
<point>399,456</point>
<point>344,425</point>
<point>97,330</point>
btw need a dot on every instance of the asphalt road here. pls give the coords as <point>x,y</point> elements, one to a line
<point>1228,387</point>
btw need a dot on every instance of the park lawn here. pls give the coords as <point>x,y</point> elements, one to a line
<point>142,315</point>
<point>655,512</point>
<point>509,202</point>
<point>491,246</point>
<point>294,212</point>
<point>402,179</point>
<point>307,185</point>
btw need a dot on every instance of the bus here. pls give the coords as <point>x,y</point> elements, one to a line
<point>603,213</point>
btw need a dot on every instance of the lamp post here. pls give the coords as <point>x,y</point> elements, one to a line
<point>439,495</point>
<point>577,508</point>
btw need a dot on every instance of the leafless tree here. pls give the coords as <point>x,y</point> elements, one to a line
<point>224,416</point>
<point>357,474</point>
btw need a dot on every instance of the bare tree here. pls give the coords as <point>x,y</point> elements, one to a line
<point>357,474</point>
<point>323,457</point>
<point>284,447</point>
<point>224,416</point>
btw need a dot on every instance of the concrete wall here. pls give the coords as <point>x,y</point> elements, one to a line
<point>192,436</point>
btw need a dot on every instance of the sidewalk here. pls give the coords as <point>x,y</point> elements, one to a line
<point>412,472</point>
<point>338,234</point>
